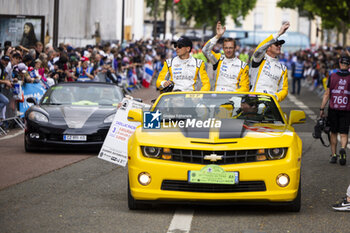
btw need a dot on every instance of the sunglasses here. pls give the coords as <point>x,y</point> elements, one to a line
<point>180,46</point>
<point>278,44</point>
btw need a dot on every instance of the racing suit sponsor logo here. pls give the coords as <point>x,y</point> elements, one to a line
<point>183,77</point>
<point>272,76</point>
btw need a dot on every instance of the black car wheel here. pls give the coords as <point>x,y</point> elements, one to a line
<point>135,205</point>
<point>27,148</point>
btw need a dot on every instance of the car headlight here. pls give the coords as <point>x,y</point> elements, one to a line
<point>37,116</point>
<point>151,152</point>
<point>109,119</point>
<point>277,153</point>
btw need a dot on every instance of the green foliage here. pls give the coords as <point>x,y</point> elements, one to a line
<point>333,13</point>
<point>161,6</point>
<point>210,11</point>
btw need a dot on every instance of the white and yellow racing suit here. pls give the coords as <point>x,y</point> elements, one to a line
<point>267,74</point>
<point>231,73</point>
<point>184,73</point>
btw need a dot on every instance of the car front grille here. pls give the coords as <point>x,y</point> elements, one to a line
<point>242,186</point>
<point>228,157</point>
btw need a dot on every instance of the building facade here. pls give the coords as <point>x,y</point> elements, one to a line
<point>82,22</point>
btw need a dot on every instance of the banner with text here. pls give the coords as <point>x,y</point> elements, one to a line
<point>115,146</point>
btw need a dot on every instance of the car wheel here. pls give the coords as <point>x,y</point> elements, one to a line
<point>133,204</point>
<point>27,148</point>
<point>295,205</point>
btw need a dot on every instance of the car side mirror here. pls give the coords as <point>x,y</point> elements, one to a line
<point>296,117</point>
<point>31,100</point>
<point>135,115</point>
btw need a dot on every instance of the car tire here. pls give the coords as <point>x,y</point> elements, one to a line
<point>295,205</point>
<point>27,148</point>
<point>135,205</point>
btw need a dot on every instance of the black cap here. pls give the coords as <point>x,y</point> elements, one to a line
<point>6,58</point>
<point>184,41</point>
<point>279,42</point>
<point>345,60</point>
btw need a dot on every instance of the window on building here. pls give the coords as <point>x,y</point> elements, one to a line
<point>285,16</point>
<point>258,20</point>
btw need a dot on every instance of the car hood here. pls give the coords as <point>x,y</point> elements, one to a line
<point>242,133</point>
<point>77,116</point>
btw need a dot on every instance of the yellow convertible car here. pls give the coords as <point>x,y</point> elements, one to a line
<point>220,147</point>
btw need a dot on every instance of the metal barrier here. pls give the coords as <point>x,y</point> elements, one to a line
<point>16,119</point>
<point>11,112</point>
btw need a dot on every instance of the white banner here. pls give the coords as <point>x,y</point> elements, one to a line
<point>115,146</point>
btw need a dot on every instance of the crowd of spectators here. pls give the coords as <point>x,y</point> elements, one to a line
<point>124,64</point>
<point>45,65</point>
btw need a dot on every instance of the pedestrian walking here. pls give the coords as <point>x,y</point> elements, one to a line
<point>338,95</point>
<point>297,74</point>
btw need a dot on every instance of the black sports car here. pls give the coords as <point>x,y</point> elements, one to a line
<point>71,116</point>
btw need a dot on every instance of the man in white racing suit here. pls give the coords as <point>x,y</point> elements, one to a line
<point>267,74</point>
<point>231,73</point>
<point>183,70</point>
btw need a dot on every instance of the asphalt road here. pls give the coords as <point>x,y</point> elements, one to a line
<point>81,193</point>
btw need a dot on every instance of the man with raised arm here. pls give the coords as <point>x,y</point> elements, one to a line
<point>231,73</point>
<point>267,74</point>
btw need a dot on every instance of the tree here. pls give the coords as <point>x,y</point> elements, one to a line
<point>210,11</point>
<point>334,14</point>
<point>156,7</point>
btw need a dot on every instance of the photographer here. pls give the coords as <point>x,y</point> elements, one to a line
<point>338,94</point>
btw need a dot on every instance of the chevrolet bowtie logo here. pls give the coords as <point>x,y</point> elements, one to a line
<point>213,157</point>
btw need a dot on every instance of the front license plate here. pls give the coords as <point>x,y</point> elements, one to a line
<point>213,174</point>
<point>74,137</point>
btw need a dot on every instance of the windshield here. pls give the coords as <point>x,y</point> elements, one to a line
<point>106,95</point>
<point>255,108</point>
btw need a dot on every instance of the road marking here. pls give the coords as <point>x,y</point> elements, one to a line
<point>181,221</point>
<point>311,114</point>
<point>12,136</point>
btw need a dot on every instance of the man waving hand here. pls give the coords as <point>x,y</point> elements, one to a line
<point>267,74</point>
<point>231,73</point>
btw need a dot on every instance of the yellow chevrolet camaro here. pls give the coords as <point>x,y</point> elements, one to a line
<point>220,147</point>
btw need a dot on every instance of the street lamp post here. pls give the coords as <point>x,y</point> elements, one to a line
<point>55,24</point>
<point>122,39</point>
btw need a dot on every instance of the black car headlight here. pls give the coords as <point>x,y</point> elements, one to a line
<point>277,153</point>
<point>151,152</point>
<point>37,116</point>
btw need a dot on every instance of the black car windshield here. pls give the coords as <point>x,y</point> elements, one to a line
<point>83,94</point>
<point>249,107</point>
